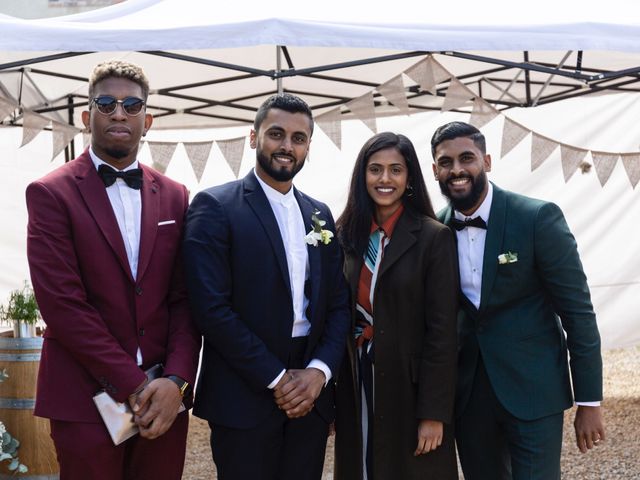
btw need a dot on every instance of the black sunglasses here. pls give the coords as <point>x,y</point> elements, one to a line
<point>107,104</point>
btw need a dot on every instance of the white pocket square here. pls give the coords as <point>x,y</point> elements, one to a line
<point>166,222</point>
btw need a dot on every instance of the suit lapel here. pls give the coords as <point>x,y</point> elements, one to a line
<point>315,261</point>
<point>493,243</point>
<point>95,196</point>
<point>401,241</point>
<point>150,198</point>
<point>259,203</point>
<point>445,215</point>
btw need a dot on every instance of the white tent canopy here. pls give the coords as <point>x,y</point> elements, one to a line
<point>211,66</point>
<point>406,25</point>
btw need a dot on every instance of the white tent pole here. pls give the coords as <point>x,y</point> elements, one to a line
<point>503,90</point>
<point>546,84</point>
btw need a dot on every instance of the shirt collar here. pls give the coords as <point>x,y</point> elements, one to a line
<point>274,196</point>
<point>483,210</point>
<point>389,226</point>
<point>97,161</point>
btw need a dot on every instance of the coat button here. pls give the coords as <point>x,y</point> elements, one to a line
<point>141,332</point>
<point>138,290</point>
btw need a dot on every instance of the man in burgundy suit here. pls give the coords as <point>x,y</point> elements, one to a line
<point>103,246</point>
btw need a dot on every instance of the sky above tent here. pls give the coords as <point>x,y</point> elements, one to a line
<point>466,12</point>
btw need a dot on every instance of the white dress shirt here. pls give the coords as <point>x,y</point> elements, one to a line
<point>292,230</point>
<point>471,242</point>
<point>471,251</point>
<point>126,203</point>
<point>127,207</point>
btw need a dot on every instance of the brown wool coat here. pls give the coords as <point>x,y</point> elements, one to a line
<point>415,356</point>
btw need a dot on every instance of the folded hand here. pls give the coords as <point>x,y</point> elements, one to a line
<point>298,390</point>
<point>156,407</point>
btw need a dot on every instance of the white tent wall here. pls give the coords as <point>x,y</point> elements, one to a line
<point>603,39</point>
<point>603,219</point>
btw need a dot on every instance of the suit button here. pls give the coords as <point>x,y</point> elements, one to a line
<point>481,329</point>
<point>382,374</point>
<point>381,332</point>
<point>138,290</point>
<point>141,332</point>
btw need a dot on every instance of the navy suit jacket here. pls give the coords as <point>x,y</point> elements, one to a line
<point>526,308</point>
<point>239,287</point>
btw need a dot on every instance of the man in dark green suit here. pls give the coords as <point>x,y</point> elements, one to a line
<point>524,303</point>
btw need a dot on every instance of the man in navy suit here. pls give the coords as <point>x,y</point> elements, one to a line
<point>523,292</point>
<point>272,306</point>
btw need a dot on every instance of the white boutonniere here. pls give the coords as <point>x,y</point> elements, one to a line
<point>509,257</point>
<point>317,233</point>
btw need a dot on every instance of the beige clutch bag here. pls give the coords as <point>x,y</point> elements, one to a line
<point>117,416</point>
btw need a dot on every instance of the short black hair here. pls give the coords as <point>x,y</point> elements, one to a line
<point>282,101</point>
<point>452,130</point>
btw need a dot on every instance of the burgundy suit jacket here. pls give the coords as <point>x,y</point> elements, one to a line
<point>97,315</point>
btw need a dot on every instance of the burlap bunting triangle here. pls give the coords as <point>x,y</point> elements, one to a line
<point>364,109</point>
<point>512,135</point>
<point>458,94</point>
<point>604,163</point>
<point>541,149</point>
<point>198,153</point>
<point>232,151</point>
<point>570,158</point>
<point>62,134</point>
<point>32,124</point>
<point>631,162</point>
<point>394,92</point>
<point>482,113</point>
<point>6,107</point>
<point>331,124</point>
<point>428,73</point>
<point>161,154</point>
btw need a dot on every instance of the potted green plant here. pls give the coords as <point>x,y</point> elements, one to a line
<point>21,311</point>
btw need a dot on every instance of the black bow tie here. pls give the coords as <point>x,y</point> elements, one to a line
<point>477,222</point>
<point>133,177</point>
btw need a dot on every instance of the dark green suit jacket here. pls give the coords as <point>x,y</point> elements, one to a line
<point>531,312</point>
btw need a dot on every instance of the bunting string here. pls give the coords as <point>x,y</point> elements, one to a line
<point>428,74</point>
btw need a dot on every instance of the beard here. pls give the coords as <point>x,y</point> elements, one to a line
<point>279,174</point>
<point>467,202</point>
<point>117,153</point>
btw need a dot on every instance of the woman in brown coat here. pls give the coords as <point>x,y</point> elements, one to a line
<point>395,390</point>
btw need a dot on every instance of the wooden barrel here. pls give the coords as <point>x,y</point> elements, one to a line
<point>20,358</point>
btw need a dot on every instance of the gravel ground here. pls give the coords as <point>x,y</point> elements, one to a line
<point>618,458</point>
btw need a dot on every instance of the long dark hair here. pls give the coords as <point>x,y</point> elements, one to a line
<point>354,223</point>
